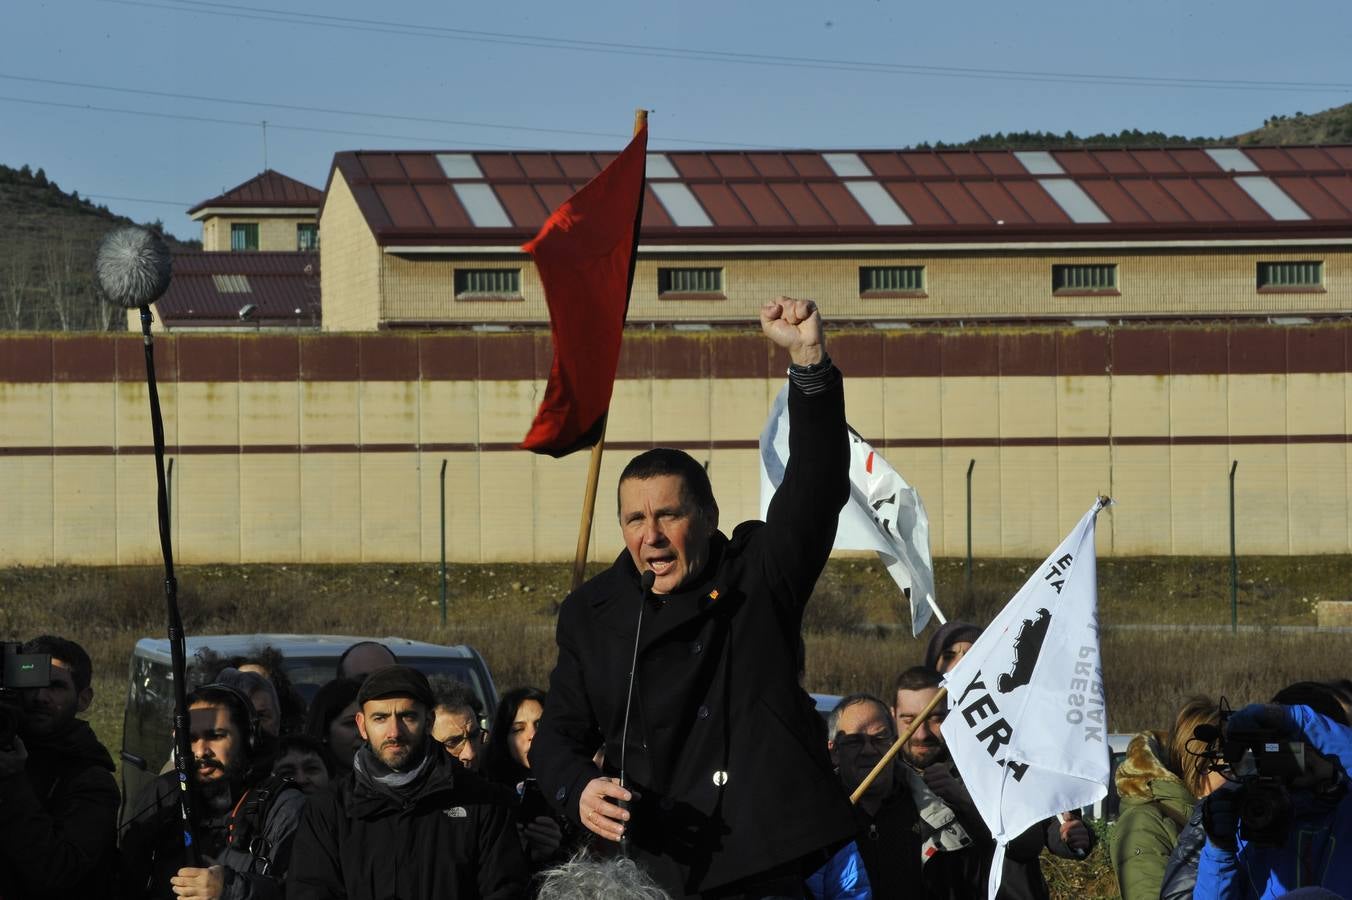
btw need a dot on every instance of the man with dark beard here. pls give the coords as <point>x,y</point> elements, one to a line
<point>408,821</point>
<point>245,818</point>
<point>860,729</point>
<point>58,799</point>
<point>956,848</point>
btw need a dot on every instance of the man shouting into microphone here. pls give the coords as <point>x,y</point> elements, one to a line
<point>729,789</point>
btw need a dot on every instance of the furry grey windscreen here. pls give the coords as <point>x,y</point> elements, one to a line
<point>132,267</point>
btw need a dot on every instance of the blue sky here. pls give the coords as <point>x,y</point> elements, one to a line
<point>739,72</point>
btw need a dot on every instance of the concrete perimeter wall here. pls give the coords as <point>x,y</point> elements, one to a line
<point>327,448</point>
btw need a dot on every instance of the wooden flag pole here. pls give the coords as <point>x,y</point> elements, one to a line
<point>901,742</point>
<point>594,467</point>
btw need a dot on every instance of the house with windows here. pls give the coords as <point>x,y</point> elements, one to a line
<point>269,212</point>
<point>420,239</point>
<point>259,263</point>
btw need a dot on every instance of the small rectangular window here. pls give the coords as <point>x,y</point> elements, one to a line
<point>1306,275</point>
<point>891,281</point>
<point>1091,279</point>
<point>307,236</point>
<point>692,284</point>
<point>244,236</point>
<point>488,284</point>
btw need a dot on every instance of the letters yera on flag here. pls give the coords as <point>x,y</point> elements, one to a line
<point>1027,723</point>
<point>884,513</point>
<point>584,253</point>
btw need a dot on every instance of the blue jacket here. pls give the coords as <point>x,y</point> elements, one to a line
<point>1319,850</point>
<point>842,878</point>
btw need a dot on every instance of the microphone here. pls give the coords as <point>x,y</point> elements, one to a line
<point>132,267</point>
<point>646,580</point>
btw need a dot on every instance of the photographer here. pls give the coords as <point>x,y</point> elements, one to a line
<point>1288,823</point>
<point>58,799</point>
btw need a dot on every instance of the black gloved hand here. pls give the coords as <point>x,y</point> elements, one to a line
<point>1220,817</point>
<point>941,779</point>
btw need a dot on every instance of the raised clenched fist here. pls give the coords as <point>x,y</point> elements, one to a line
<point>795,325</point>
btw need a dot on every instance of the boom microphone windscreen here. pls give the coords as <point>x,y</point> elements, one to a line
<point>132,267</point>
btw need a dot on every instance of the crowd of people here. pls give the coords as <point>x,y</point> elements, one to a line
<point>673,754</point>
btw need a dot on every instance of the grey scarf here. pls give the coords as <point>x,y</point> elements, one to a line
<point>398,785</point>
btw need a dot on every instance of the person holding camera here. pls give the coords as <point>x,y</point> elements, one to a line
<point>409,820</point>
<point>1284,820</point>
<point>244,818</point>
<point>58,799</point>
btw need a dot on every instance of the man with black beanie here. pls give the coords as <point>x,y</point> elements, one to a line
<point>407,822</point>
<point>58,799</point>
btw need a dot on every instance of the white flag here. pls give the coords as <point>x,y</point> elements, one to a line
<point>884,513</point>
<point>1027,724</point>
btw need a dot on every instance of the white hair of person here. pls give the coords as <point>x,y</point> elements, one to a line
<point>586,878</point>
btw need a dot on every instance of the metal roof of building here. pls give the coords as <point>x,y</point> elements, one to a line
<point>435,199</point>
<point>269,188</point>
<point>211,288</point>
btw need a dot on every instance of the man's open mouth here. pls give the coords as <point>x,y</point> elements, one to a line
<point>661,565</point>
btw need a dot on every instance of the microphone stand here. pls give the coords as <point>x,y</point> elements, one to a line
<point>177,652</point>
<point>647,580</point>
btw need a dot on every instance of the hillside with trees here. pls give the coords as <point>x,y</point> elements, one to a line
<point>48,236</point>
<point>47,243</point>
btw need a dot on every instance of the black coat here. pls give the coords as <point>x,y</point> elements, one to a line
<point>454,837</point>
<point>152,840</point>
<point>58,819</point>
<point>724,745</point>
<point>965,873</point>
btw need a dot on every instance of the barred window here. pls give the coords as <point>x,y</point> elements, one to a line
<point>487,284</point>
<point>1290,275</point>
<point>891,280</point>
<point>244,236</point>
<point>704,282</point>
<point>307,236</point>
<point>1090,279</point>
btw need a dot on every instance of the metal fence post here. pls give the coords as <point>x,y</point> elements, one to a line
<point>443,542</point>
<point>971,464</point>
<point>1234,563</point>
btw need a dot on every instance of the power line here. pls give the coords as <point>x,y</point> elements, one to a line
<point>136,200</point>
<point>743,58</point>
<point>347,112</point>
<point>183,117</point>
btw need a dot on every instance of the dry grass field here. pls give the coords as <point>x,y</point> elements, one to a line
<point>856,631</point>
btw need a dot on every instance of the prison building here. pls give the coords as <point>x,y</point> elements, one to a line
<point>431,239</point>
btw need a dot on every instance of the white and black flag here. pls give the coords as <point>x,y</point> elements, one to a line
<point>884,513</point>
<point>1028,723</point>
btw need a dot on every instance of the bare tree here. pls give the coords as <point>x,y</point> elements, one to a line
<point>14,283</point>
<point>58,270</point>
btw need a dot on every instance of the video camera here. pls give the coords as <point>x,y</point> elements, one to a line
<point>1267,764</point>
<point>18,670</point>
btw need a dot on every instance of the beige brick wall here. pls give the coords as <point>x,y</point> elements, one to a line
<point>274,232</point>
<point>1213,281</point>
<point>335,502</point>
<point>350,263</point>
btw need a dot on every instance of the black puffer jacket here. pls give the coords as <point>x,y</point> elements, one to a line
<point>1180,872</point>
<point>454,836</point>
<point>58,820</point>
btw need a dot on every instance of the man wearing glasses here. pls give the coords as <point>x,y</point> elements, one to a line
<point>859,732</point>
<point>457,725</point>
